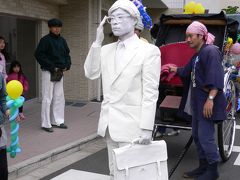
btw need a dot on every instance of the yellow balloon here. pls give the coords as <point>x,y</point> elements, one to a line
<point>189,7</point>
<point>14,89</point>
<point>229,40</point>
<point>199,9</point>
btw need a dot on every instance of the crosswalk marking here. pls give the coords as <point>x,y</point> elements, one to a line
<point>73,174</point>
<point>236,149</point>
<point>237,161</point>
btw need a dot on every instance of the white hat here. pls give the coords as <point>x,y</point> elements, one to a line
<point>139,25</point>
<point>127,6</point>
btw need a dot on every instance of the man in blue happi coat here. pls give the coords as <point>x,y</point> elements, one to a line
<point>207,103</point>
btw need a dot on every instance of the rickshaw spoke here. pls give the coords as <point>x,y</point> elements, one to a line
<point>226,126</point>
<point>227,135</point>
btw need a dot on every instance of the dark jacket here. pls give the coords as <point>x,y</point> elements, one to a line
<point>53,52</point>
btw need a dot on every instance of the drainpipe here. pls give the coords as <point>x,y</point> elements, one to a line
<point>184,2</point>
<point>99,84</point>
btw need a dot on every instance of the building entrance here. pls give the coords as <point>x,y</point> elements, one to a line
<point>20,36</point>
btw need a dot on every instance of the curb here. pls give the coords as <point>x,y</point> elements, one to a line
<point>29,165</point>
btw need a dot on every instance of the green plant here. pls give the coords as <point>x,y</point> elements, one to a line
<point>231,10</point>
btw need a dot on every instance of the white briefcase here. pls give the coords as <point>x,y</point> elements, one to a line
<point>141,162</point>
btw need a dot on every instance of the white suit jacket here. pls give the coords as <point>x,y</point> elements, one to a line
<point>129,96</point>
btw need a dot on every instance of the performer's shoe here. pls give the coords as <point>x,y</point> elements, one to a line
<point>50,130</point>
<point>211,173</point>
<point>198,171</point>
<point>62,126</point>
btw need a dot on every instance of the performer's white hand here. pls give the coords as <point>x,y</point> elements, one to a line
<point>145,137</point>
<point>100,33</point>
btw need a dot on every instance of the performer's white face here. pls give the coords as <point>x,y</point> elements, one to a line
<point>122,23</point>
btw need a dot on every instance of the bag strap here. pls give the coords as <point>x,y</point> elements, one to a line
<point>127,173</point>
<point>159,169</point>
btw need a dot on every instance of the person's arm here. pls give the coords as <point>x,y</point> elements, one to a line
<point>183,72</point>
<point>3,95</point>
<point>211,60</point>
<point>41,55</point>
<point>92,65</point>
<point>150,83</point>
<point>67,58</point>
<point>4,70</point>
<point>213,78</point>
<point>25,84</point>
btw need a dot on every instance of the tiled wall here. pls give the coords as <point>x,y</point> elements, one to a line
<point>29,8</point>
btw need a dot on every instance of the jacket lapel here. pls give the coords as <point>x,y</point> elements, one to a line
<point>131,52</point>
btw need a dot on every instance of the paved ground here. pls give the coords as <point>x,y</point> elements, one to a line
<point>45,156</point>
<point>39,147</point>
<point>95,161</point>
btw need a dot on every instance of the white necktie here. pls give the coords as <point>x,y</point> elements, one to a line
<point>119,56</point>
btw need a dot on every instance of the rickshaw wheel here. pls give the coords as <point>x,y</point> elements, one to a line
<point>226,129</point>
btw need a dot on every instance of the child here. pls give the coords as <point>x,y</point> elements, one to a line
<point>16,73</point>
<point>3,137</point>
<point>3,57</point>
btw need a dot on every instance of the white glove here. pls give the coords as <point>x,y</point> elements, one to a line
<point>100,33</point>
<point>145,137</point>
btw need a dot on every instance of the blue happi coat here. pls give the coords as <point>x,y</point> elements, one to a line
<point>205,71</point>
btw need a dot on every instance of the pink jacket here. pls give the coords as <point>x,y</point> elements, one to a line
<point>22,79</point>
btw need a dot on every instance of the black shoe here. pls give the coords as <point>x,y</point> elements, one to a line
<point>50,130</point>
<point>62,126</point>
<point>211,173</point>
<point>198,171</point>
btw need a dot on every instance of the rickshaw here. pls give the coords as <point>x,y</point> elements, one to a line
<point>170,39</point>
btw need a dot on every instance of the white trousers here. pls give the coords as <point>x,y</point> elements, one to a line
<point>110,146</point>
<point>53,101</point>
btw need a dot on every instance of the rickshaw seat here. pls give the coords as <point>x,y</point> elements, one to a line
<point>170,102</point>
<point>178,53</point>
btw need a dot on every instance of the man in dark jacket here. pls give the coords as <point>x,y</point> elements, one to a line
<point>53,56</point>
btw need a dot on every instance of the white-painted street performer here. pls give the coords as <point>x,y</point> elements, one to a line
<point>130,70</point>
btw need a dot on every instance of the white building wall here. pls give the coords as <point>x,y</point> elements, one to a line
<point>75,17</point>
<point>29,8</point>
<point>174,4</point>
<point>96,10</point>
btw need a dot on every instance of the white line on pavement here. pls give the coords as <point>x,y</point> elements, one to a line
<point>236,149</point>
<point>237,161</point>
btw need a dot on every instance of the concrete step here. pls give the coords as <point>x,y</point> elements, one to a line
<point>29,165</point>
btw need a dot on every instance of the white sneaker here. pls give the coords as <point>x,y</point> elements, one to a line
<point>173,133</point>
<point>159,135</point>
